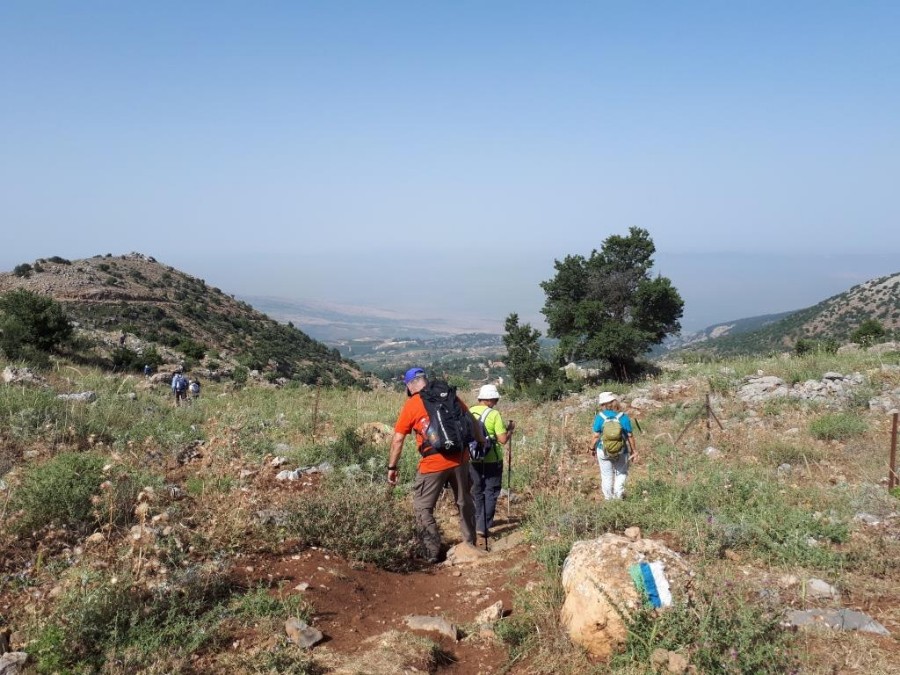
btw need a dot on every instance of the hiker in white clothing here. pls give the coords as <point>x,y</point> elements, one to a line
<point>613,444</point>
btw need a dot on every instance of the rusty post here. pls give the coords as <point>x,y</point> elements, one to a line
<point>892,469</point>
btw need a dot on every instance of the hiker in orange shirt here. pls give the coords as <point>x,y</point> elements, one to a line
<point>435,469</point>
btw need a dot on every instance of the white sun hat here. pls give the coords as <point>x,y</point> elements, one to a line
<point>606,397</point>
<point>488,392</point>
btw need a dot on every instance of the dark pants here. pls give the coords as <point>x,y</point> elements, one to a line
<point>487,479</point>
<point>426,491</point>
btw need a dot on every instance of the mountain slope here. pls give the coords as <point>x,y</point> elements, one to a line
<point>157,304</point>
<point>835,318</point>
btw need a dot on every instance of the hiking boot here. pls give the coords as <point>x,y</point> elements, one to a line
<point>482,541</point>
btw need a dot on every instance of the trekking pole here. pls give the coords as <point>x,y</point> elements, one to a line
<point>508,477</point>
<point>484,508</point>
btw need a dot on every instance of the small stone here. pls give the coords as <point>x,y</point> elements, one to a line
<point>490,615</point>
<point>633,533</point>
<point>712,453</point>
<point>433,624</point>
<point>816,588</point>
<point>96,538</point>
<point>732,555</point>
<point>278,461</point>
<point>13,663</point>
<point>302,634</point>
<point>677,664</point>
<point>302,586</point>
<point>659,658</point>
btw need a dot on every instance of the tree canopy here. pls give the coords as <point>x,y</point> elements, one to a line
<point>607,306</point>
<point>30,322</point>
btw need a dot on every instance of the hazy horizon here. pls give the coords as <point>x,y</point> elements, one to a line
<point>342,152</point>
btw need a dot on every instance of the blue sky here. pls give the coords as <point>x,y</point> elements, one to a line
<point>329,151</point>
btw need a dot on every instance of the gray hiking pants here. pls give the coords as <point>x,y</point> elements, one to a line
<point>427,490</point>
<point>613,474</point>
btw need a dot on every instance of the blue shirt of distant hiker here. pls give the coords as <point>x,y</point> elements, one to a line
<point>604,415</point>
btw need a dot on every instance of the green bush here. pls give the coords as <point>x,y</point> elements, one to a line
<point>359,519</point>
<point>29,321</point>
<point>72,490</point>
<point>59,491</point>
<point>837,426</point>
<point>103,617</point>
<point>720,630</point>
<point>23,270</point>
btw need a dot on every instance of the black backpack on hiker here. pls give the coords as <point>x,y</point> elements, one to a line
<point>450,423</point>
<point>479,451</point>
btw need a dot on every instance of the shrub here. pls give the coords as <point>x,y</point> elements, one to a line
<point>59,491</point>
<point>358,519</point>
<point>23,270</point>
<point>721,630</point>
<point>837,426</point>
<point>102,616</point>
<point>29,321</point>
<point>869,332</point>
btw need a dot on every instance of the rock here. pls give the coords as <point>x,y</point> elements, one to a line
<point>278,461</point>
<point>464,553</point>
<point>271,517</point>
<point>784,469</point>
<point>15,375</point>
<point>867,519</point>
<point>677,664</point>
<point>96,538</point>
<point>490,615</point>
<point>712,453</point>
<point>633,533</point>
<point>659,658</point>
<point>837,619</point>
<point>434,624</point>
<point>788,580</point>
<point>375,433</point>
<point>82,396</point>
<point>302,634</point>
<point>302,586</point>
<point>509,541</point>
<point>504,495</point>
<point>288,475</point>
<point>641,403</point>
<point>831,375</point>
<point>600,592</point>
<point>13,663</point>
<point>822,590</point>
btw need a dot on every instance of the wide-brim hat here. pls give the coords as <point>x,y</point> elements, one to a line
<point>606,397</point>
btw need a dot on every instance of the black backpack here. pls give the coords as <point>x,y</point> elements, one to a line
<point>480,450</point>
<point>449,423</point>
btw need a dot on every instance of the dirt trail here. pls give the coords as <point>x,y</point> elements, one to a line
<point>353,602</point>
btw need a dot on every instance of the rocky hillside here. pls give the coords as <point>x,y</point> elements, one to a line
<point>178,317</point>
<point>835,318</point>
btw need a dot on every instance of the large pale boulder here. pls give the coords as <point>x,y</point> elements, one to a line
<point>600,592</point>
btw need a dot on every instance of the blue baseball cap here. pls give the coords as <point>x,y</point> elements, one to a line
<point>412,374</point>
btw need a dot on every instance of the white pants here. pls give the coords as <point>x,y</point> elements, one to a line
<point>613,473</point>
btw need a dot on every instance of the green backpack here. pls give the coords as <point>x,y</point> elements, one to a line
<point>612,436</point>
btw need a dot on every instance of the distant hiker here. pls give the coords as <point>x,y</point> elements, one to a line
<point>148,370</point>
<point>436,467</point>
<point>613,443</point>
<point>486,474</point>
<point>194,388</point>
<point>179,387</point>
<point>122,340</point>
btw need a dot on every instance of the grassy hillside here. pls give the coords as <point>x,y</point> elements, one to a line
<point>177,316</point>
<point>141,537</point>
<point>835,318</point>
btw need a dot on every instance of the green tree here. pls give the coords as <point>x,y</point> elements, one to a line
<point>607,306</point>
<point>868,332</point>
<point>29,321</point>
<point>523,360</point>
